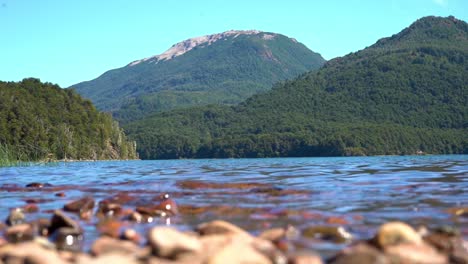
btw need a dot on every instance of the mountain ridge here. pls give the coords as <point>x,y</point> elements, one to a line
<point>406,98</point>
<point>223,68</point>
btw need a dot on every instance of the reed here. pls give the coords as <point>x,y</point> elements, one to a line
<point>8,157</point>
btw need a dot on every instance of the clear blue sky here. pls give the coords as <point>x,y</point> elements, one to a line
<point>69,41</point>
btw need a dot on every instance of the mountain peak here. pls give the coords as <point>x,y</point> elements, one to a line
<point>187,45</point>
<point>428,30</point>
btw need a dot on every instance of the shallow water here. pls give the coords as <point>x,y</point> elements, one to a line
<point>357,192</point>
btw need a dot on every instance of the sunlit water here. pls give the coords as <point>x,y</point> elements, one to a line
<point>362,192</point>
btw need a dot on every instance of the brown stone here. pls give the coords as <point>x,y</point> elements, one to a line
<point>414,253</point>
<point>16,217</point>
<point>131,235</point>
<point>169,243</point>
<point>31,208</point>
<point>109,209</point>
<point>111,258</point>
<point>79,206</point>
<point>305,259</point>
<point>360,254</point>
<point>19,233</point>
<point>394,233</point>
<point>238,252</point>
<point>337,234</point>
<point>60,219</point>
<point>29,252</point>
<point>107,245</point>
<point>69,239</point>
<point>219,227</point>
<point>110,227</point>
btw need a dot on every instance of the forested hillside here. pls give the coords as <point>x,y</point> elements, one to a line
<point>41,121</point>
<point>406,94</point>
<point>224,68</point>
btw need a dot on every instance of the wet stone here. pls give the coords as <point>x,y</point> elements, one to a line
<point>109,210</point>
<point>19,233</point>
<point>337,234</point>
<point>414,253</point>
<point>82,205</point>
<point>305,259</point>
<point>110,227</point>
<point>38,185</point>
<point>131,235</point>
<point>359,254</point>
<point>394,233</point>
<point>167,242</point>
<point>42,226</point>
<point>107,245</point>
<point>30,208</point>
<point>218,227</point>
<point>60,219</point>
<point>16,217</point>
<point>69,239</point>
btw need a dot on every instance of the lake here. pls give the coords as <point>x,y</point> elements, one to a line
<point>358,193</point>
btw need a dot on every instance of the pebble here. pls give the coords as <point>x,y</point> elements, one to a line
<point>337,234</point>
<point>82,205</point>
<point>394,233</point>
<point>60,219</point>
<point>167,242</point>
<point>361,253</point>
<point>414,253</point>
<point>238,252</point>
<point>19,233</point>
<point>107,245</point>
<point>218,227</point>
<point>15,217</point>
<point>69,239</point>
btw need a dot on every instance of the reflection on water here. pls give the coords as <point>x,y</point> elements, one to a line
<point>258,193</point>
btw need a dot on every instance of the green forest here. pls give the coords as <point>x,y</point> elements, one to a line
<point>41,121</point>
<point>406,94</point>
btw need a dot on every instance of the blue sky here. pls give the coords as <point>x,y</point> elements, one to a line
<point>69,41</point>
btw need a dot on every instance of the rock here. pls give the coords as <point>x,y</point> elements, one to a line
<point>131,235</point>
<point>107,245</point>
<point>169,243</point>
<point>459,211</point>
<point>114,258</point>
<point>336,234</point>
<point>169,206</point>
<point>394,233</point>
<point>82,205</point>
<point>30,253</point>
<point>449,244</point>
<point>109,210</point>
<point>42,226</point>
<point>238,252</point>
<point>268,249</point>
<point>16,217</point>
<point>305,259</point>
<point>110,227</point>
<point>219,227</point>
<point>60,219</point>
<point>60,194</point>
<point>19,233</point>
<point>38,185</point>
<point>69,239</point>
<point>414,253</point>
<point>276,234</point>
<point>359,254</point>
<point>151,211</point>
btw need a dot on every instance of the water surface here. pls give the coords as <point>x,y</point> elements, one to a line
<point>357,192</point>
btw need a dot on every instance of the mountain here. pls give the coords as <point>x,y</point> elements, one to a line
<point>41,121</point>
<point>223,68</point>
<point>405,94</point>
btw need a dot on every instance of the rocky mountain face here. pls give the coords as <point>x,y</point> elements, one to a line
<point>223,68</point>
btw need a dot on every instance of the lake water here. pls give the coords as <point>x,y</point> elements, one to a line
<point>358,193</point>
